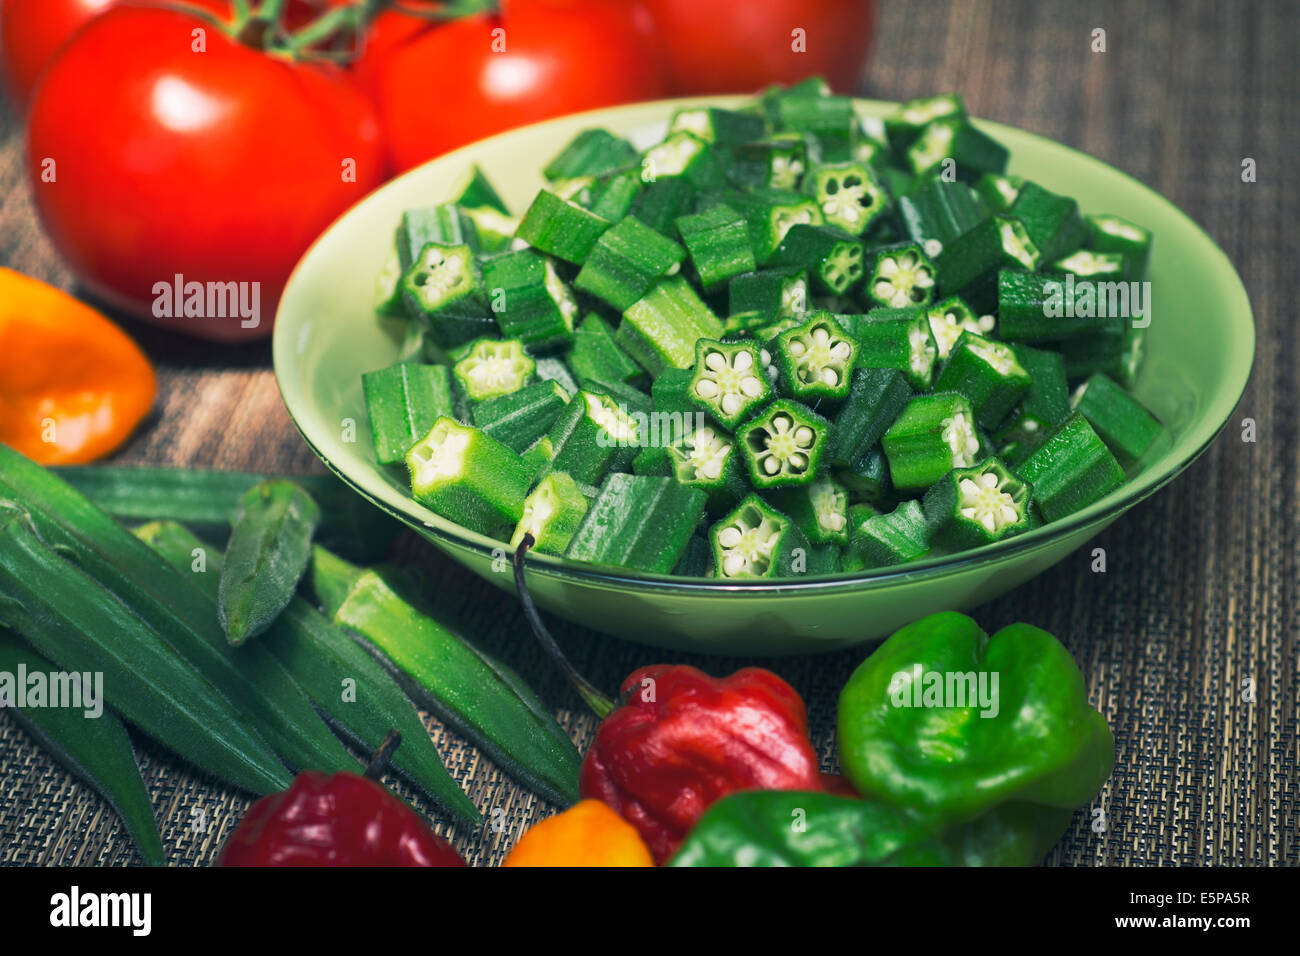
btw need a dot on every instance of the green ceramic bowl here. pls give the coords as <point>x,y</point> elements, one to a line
<point>1200,347</point>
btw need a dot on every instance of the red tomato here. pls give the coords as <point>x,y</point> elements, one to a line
<point>439,86</point>
<point>220,166</point>
<point>721,46</point>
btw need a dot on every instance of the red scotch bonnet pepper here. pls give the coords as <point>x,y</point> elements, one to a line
<point>681,740</point>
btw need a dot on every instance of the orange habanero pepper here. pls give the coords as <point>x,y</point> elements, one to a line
<point>587,834</point>
<point>72,384</point>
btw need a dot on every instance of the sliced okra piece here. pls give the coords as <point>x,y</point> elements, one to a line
<point>626,261</point>
<point>530,300</point>
<point>934,434</point>
<point>728,382</point>
<point>628,397</point>
<point>823,559</point>
<point>783,445</point>
<point>590,153</point>
<point>595,354</point>
<point>770,213</point>
<point>832,257</point>
<point>867,479</point>
<point>777,162</point>
<point>1087,264</point>
<point>653,460</point>
<point>756,541</point>
<point>403,401</point>
<point>697,559</point>
<point>896,338</point>
<point>1052,221</point>
<point>660,203</point>
<point>468,477</point>
<point>519,419</point>
<point>613,194</point>
<point>821,510</point>
<point>1045,404</point>
<point>638,522</point>
<point>969,265</point>
<point>1071,469</point>
<point>988,374</point>
<point>553,511</point>
<point>888,540</point>
<point>972,507</point>
<point>950,318</point>
<point>495,230</point>
<point>683,155</point>
<point>537,458</point>
<point>742,325</point>
<point>445,224</point>
<point>561,228</point>
<point>592,436</point>
<point>877,396</point>
<point>826,117</point>
<point>477,192</point>
<point>998,191</point>
<point>577,190</point>
<point>973,153</point>
<point>718,242</point>
<point>769,99</point>
<point>443,280</point>
<point>660,329</point>
<point>707,458</point>
<point>937,212</point>
<point>493,367</point>
<point>671,391</point>
<point>900,275</point>
<point>1037,307</point>
<point>1119,419</point>
<point>714,125</point>
<point>553,369</point>
<point>814,360</point>
<point>847,194</point>
<point>770,290</point>
<point>912,117</point>
<point>1114,234</point>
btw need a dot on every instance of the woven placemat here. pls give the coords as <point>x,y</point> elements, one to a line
<point>1198,602</point>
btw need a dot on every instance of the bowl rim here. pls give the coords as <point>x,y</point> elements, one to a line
<point>442,530</point>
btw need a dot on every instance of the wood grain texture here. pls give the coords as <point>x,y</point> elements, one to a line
<point>1200,595</point>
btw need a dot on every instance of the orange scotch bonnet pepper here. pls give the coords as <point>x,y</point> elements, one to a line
<point>587,834</point>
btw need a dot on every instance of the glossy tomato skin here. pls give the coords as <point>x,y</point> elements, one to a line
<point>722,46</point>
<point>220,166</point>
<point>438,87</point>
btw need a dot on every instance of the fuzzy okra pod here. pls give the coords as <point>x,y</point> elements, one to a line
<point>847,194</point>
<point>877,396</point>
<point>972,152</point>
<point>268,551</point>
<point>972,507</point>
<point>778,162</point>
<point>1112,234</point>
<point>95,747</point>
<point>770,214</point>
<point>590,153</point>
<point>715,125</point>
<point>443,287</point>
<point>402,402</point>
<point>476,695</point>
<point>660,329</point>
<point>561,228</point>
<point>814,360</point>
<point>468,477</point>
<point>1045,404</point>
<point>938,212</point>
<point>718,242</point>
<point>904,126</point>
<point>1119,419</point>
<point>685,156</point>
<point>895,338</point>
<point>626,261</point>
<point>769,291</point>
<point>592,436</point>
<point>596,355</point>
<point>322,658</point>
<point>887,540</point>
<point>1052,222</point>
<point>934,434</point>
<point>638,522</point>
<point>900,275</point>
<point>660,203</point>
<point>821,510</point>
<point>756,541</point>
<point>728,382</point>
<point>997,191</point>
<point>867,478</point>
<point>1071,469</point>
<point>969,265</point>
<point>708,459</point>
<point>1036,307</point>
<point>492,368</point>
<point>553,511</point>
<point>831,256</point>
<point>530,300</point>
<point>783,445</point>
<point>988,373</point>
<point>519,419</point>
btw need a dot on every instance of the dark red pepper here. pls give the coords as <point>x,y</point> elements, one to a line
<point>340,819</point>
<point>676,745</point>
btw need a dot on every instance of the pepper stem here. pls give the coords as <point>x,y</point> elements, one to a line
<point>600,704</point>
<point>378,762</point>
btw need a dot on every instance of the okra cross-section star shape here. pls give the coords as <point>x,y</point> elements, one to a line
<point>729,382</point>
<point>783,446</point>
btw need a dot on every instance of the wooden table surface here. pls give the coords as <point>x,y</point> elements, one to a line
<point>1201,590</point>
